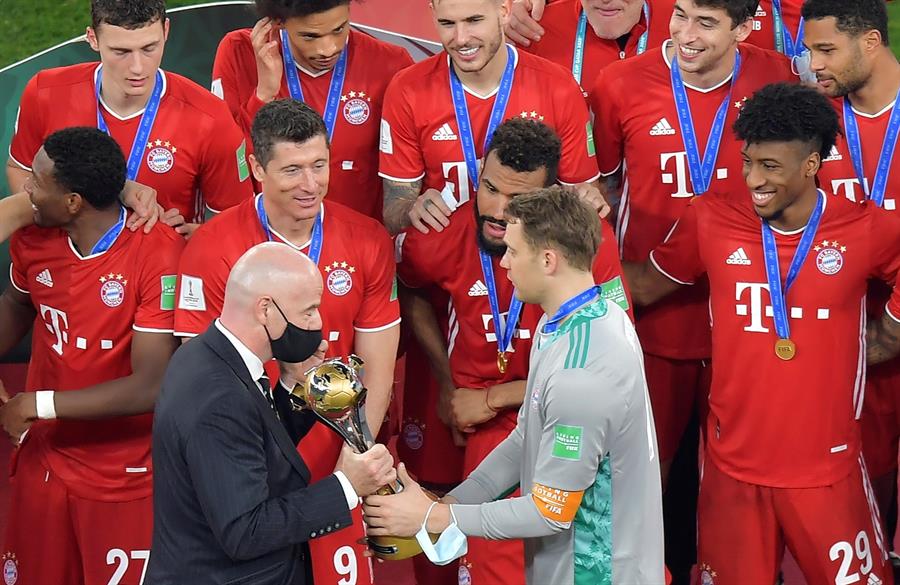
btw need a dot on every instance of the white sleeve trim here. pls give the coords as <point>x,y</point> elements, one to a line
<point>377,329</point>
<point>216,211</point>
<point>666,274</point>
<point>152,330</point>
<point>399,180</point>
<point>612,172</point>
<point>12,158</point>
<point>185,334</point>
<point>891,315</point>
<point>591,180</point>
<point>13,282</point>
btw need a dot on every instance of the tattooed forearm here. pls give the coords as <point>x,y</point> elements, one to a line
<point>882,339</point>
<point>399,197</point>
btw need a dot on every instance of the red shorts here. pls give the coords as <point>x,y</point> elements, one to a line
<point>833,532</point>
<point>880,420</point>
<point>56,537</point>
<point>676,388</point>
<point>425,444</point>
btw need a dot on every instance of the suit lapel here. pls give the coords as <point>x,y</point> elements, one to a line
<point>223,348</point>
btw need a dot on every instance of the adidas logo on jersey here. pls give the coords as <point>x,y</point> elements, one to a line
<point>45,278</point>
<point>834,154</point>
<point>739,258</point>
<point>445,132</point>
<point>478,289</point>
<point>662,128</point>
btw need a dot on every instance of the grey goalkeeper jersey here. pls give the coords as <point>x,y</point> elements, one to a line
<point>584,454</point>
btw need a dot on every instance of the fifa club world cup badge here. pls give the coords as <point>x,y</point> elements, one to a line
<point>356,107</point>
<point>830,257</point>
<point>707,575</point>
<point>413,435</point>
<point>161,156</point>
<point>339,278</point>
<point>10,568</point>
<point>112,289</point>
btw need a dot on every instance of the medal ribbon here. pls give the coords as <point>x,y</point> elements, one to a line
<point>315,245</point>
<point>569,307</point>
<point>146,125</point>
<point>504,330</point>
<point>879,185</point>
<point>335,89</point>
<point>701,173</point>
<point>581,34</point>
<point>784,41</point>
<point>108,239</point>
<point>773,270</point>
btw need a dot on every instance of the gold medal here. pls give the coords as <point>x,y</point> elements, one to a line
<point>785,349</point>
<point>502,362</point>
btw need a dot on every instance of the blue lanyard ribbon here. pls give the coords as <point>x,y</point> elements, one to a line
<point>784,41</point>
<point>315,245</point>
<point>879,185</point>
<point>334,89</point>
<point>498,113</point>
<point>569,307</point>
<point>504,330</point>
<point>773,271</point>
<point>701,173</point>
<point>146,125</point>
<point>109,238</point>
<point>581,34</point>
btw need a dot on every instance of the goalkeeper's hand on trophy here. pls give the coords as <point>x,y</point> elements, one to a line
<point>368,471</point>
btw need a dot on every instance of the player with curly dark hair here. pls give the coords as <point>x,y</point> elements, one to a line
<point>787,267</point>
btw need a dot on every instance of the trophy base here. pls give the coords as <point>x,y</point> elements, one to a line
<point>394,548</point>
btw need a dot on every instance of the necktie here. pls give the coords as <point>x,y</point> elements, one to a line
<point>267,392</point>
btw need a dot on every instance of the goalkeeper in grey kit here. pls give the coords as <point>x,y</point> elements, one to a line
<point>583,451</point>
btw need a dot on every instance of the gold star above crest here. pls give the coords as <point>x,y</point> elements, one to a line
<point>343,265</point>
<point>328,269</point>
<point>353,94</point>
<point>174,149</point>
<point>158,142</point>
<point>110,276</point>
<point>835,244</point>
<point>843,248</point>
<point>102,279</point>
<point>335,264</point>
<point>825,243</point>
<point>817,248</point>
<point>362,94</point>
<point>118,277</point>
<point>124,282</point>
<point>343,98</point>
<point>149,145</point>
<point>523,115</point>
<point>167,143</point>
<point>351,270</point>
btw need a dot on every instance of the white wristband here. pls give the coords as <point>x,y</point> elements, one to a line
<point>46,408</point>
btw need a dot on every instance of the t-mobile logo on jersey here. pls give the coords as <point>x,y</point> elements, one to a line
<point>678,175</point>
<point>457,177</point>
<point>58,325</point>
<point>756,309</point>
<point>491,337</point>
<point>850,188</point>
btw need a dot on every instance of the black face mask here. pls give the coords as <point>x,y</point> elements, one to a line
<point>295,345</point>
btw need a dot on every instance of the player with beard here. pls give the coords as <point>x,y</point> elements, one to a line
<point>788,268</point>
<point>307,50</point>
<point>486,352</point>
<point>854,64</point>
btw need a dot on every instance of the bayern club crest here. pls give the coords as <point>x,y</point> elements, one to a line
<point>463,575</point>
<point>707,575</point>
<point>10,568</point>
<point>339,279</point>
<point>356,107</point>
<point>112,289</point>
<point>413,435</point>
<point>161,156</point>
<point>830,257</point>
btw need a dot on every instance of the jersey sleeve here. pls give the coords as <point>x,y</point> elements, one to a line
<point>608,271</point>
<point>18,266</point>
<point>156,303</point>
<point>231,84</point>
<point>202,274</point>
<point>400,157</point>
<point>678,257</point>
<point>380,308</point>
<point>579,161</point>
<point>608,137</point>
<point>29,128</point>
<point>224,172</point>
<point>887,256</point>
<point>416,265</point>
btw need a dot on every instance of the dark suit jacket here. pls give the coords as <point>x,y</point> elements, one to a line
<point>231,500</point>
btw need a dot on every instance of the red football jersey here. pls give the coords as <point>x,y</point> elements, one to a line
<point>641,130</point>
<point>790,424</point>
<point>560,22</point>
<point>87,308</point>
<point>371,64</point>
<point>763,34</point>
<point>356,265</point>
<point>195,155</point>
<point>420,138</point>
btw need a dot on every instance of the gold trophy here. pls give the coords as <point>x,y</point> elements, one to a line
<point>334,393</point>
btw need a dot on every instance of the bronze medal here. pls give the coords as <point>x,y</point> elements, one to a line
<point>785,349</point>
<point>502,362</point>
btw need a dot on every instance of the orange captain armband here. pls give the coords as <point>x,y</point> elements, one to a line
<point>555,504</point>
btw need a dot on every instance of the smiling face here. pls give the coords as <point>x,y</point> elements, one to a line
<point>49,200</point>
<point>318,39</point>
<point>471,31</point>
<point>130,57</point>
<point>295,180</point>
<point>612,19</point>
<point>704,37</point>
<point>778,174</point>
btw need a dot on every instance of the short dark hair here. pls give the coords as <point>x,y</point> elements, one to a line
<point>739,11</point>
<point>557,218</point>
<point>88,162</point>
<point>783,112</point>
<point>130,14</point>
<point>527,145</point>
<point>285,120</point>
<point>854,17</point>
<point>285,9</point>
